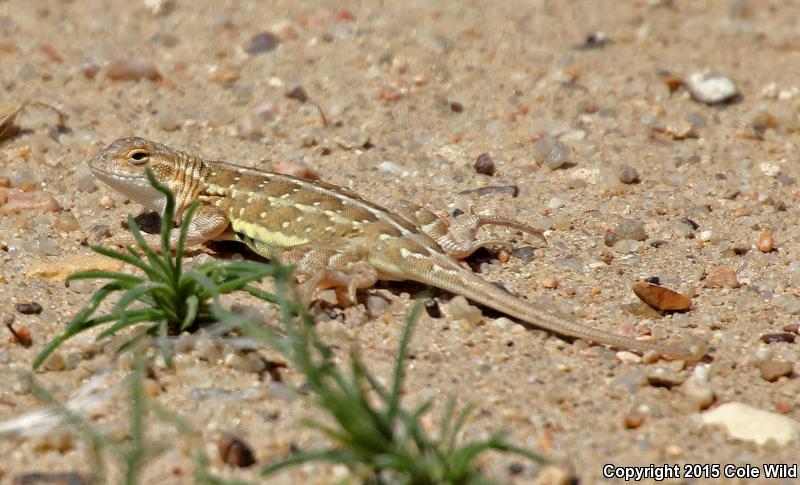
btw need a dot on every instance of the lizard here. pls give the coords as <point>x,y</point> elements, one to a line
<point>335,238</point>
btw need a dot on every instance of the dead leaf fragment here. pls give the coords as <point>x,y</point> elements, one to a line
<point>661,298</point>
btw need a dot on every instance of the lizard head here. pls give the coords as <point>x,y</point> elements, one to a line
<point>123,163</point>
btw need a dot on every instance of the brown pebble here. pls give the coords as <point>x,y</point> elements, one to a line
<point>234,451</point>
<point>297,93</point>
<point>127,70</point>
<point>50,53</point>
<point>773,369</point>
<point>484,164</point>
<point>503,256</point>
<point>18,201</point>
<point>792,327</point>
<point>765,242</point>
<point>224,75</point>
<point>90,70</point>
<point>629,175</point>
<point>456,107</point>
<point>28,308</point>
<point>633,419</point>
<point>5,182</point>
<point>661,298</point>
<point>771,338</point>
<point>721,277</point>
<point>27,186</point>
<point>550,283</point>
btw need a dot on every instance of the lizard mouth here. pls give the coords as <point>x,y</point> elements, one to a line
<point>136,188</point>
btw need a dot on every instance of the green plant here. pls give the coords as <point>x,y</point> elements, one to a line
<point>386,440</point>
<point>166,298</point>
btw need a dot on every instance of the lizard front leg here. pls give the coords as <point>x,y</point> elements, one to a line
<point>207,224</point>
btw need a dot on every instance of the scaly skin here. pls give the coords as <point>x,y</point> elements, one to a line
<point>336,238</point>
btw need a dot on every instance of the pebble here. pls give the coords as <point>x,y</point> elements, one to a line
<point>551,153</point>
<point>710,88</point>
<point>629,175</point>
<point>664,377</point>
<point>525,253</point>
<point>234,451</point>
<point>459,308</point>
<point>28,308</point>
<point>772,338</point>
<point>167,120</point>
<point>59,478</point>
<point>661,298</point>
<point>224,75</point>
<point>699,392</point>
<point>705,236</point>
<point>721,277</point>
<point>376,306</point>
<point>765,242</point>
<point>298,93</point>
<point>262,42</point>
<point>484,164</point>
<point>433,309</point>
<point>17,201</point>
<point>746,423</point>
<point>63,267</point>
<point>127,70</point>
<point>55,362</point>
<point>633,419</point>
<point>244,363</point>
<point>66,222</point>
<point>627,357</point>
<point>551,474</point>
<point>773,369</point>
<point>792,327</point>
<point>627,246</point>
<point>627,229</point>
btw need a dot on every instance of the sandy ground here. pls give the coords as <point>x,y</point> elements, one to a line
<point>412,92</point>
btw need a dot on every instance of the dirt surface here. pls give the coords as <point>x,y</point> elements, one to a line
<point>403,98</point>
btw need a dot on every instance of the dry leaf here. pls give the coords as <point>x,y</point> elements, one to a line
<point>9,112</point>
<point>661,298</point>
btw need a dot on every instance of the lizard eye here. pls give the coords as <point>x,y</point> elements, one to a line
<point>138,156</point>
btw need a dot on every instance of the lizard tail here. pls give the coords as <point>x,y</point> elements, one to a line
<point>462,282</point>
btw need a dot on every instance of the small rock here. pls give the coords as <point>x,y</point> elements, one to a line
<point>63,267</point>
<point>721,277</point>
<point>234,451</point>
<point>484,164</point>
<point>772,369</point>
<point>627,357</point>
<point>224,75</point>
<point>90,69</point>
<point>747,423</point>
<point>17,201</point>
<point>772,338</point>
<point>550,283</point>
<point>792,328</point>
<point>711,89</point>
<point>765,242</point>
<point>661,298</point>
<point>127,70</point>
<point>633,419</point>
<point>31,308</point>
<point>5,182</point>
<point>629,175</point>
<point>55,362</point>
<point>262,42</point>
<point>664,377</point>
<point>524,253</point>
<point>628,229</point>
<point>459,308</point>
<point>433,309</point>
<point>376,306</point>
<point>456,107</point>
<point>297,93</point>
<point>66,222</point>
<point>627,246</point>
<point>698,391</point>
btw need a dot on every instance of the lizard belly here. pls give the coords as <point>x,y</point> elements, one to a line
<point>264,241</point>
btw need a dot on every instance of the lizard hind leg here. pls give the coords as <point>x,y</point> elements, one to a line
<point>328,266</point>
<point>460,241</point>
